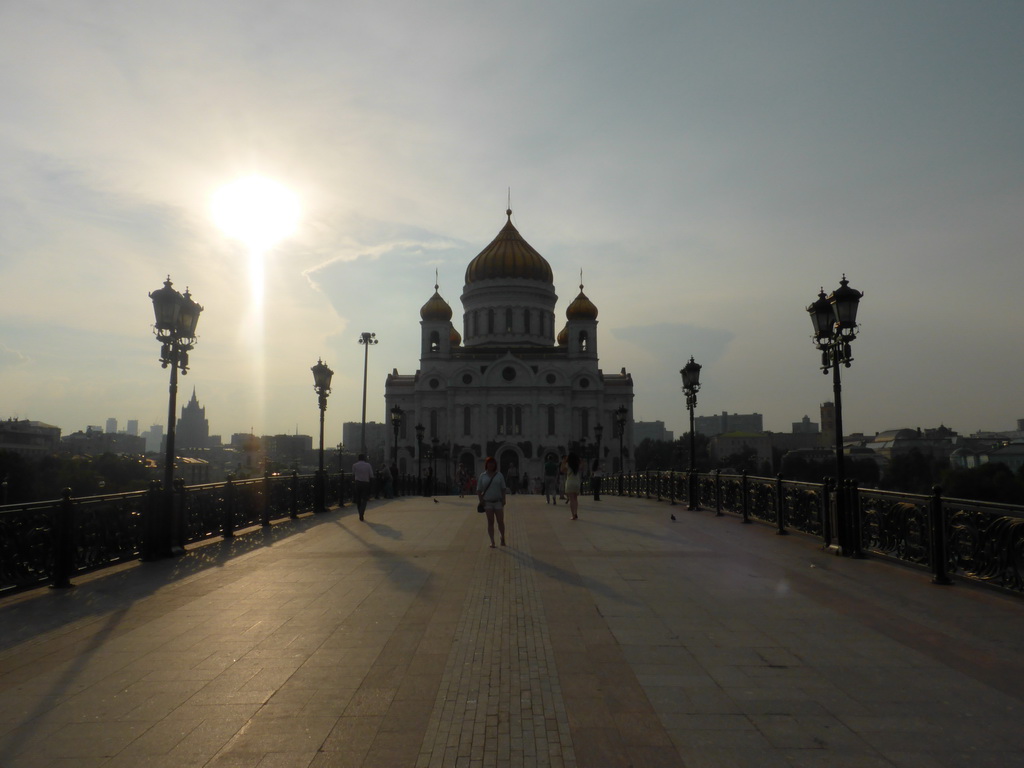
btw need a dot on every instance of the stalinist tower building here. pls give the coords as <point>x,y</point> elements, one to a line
<point>518,383</point>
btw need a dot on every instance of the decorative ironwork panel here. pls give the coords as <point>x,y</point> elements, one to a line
<point>108,529</point>
<point>25,544</point>
<point>985,543</point>
<point>204,511</point>
<point>307,493</point>
<point>802,502</point>
<point>896,525</point>
<point>279,497</point>
<point>248,503</point>
<point>763,499</point>
<point>707,491</point>
<point>732,493</point>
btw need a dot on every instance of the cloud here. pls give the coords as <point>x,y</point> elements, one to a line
<point>706,345</point>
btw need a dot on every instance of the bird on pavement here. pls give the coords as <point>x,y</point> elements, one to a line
<point>672,516</point>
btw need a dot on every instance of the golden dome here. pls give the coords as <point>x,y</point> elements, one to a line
<point>508,256</point>
<point>581,308</point>
<point>436,308</point>
<point>563,336</point>
<point>455,337</point>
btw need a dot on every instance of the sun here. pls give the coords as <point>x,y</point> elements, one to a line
<point>257,211</point>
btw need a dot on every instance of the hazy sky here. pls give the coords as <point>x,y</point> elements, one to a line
<point>709,165</point>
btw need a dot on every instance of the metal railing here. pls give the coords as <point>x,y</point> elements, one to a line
<point>49,542</point>
<point>979,541</point>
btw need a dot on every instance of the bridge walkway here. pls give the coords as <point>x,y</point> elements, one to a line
<point>621,639</point>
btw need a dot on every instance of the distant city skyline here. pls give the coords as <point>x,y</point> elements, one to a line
<point>701,168</point>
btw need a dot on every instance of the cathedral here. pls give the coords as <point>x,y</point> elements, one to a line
<point>513,385</point>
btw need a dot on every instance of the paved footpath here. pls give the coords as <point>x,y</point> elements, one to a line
<point>620,639</point>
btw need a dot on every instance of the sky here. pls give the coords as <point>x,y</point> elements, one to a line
<point>707,165</point>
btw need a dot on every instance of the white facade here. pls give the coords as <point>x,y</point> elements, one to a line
<point>519,388</point>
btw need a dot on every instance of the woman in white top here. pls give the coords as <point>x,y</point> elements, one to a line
<point>491,490</point>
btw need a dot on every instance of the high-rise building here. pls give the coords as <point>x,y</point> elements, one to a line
<point>111,427</point>
<point>725,423</point>
<point>193,430</point>
<point>154,438</point>
<point>512,385</point>
<point>651,430</point>
<point>133,427</point>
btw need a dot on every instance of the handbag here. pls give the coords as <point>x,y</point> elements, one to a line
<point>480,506</point>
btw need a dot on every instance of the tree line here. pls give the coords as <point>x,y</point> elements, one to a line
<point>910,472</point>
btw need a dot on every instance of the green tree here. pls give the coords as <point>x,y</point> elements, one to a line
<point>993,481</point>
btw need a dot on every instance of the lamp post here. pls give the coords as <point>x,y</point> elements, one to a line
<point>433,463</point>
<point>834,319</point>
<point>322,375</point>
<point>175,328</point>
<point>691,386</point>
<point>420,429</point>
<point>598,432</point>
<point>620,418</point>
<point>366,339</point>
<point>396,423</point>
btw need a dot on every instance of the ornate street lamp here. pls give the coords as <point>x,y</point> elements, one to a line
<point>322,386</point>
<point>598,432</point>
<point>621,413</point>
<point>691,386</point>
<point>834,319</point>
<point>176,319</point>
<point>366,339</point>
<point>396,424</point>
<point>420,429</point>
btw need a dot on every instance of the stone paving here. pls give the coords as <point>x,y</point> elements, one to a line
<point>620,639</point>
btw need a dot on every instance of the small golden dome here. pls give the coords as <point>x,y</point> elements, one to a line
<point>563,336</point>
<point>581,308</point>
<point>436,308</point>
<point>508,256</point>
<point>455,337</point>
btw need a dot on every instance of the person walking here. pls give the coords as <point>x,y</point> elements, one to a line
<point>550,479</point>
<point>513,478</point>
<point>362,474</point>
<point>492,491</point>
<point>573,476</point>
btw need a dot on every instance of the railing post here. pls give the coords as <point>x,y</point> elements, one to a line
<point>293,501</point>
<point>230,496</point>
<point>671,488</point>
<point>744,498</point>
<point>780,506</point>
<point>826,512</point>
<point>63,541</point>
<point>718,493</point>
<point>179,503</point>
<point>265,516</point>
<point>341,489</point>
<point>854,516</point>
<point>938,553</point>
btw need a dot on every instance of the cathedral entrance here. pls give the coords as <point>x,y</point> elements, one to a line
<point>508,464</point>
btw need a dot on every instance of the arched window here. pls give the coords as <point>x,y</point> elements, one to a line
<point>490,321</point>
<point>583,341</point>
<point>551,419</point>
<point>433,423</point>
<point>435,342</point>
<point>467,425</point>
<point>508,321</point>
<point>526,321</point>
<point>476,322</point>
<point>585,422</point>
